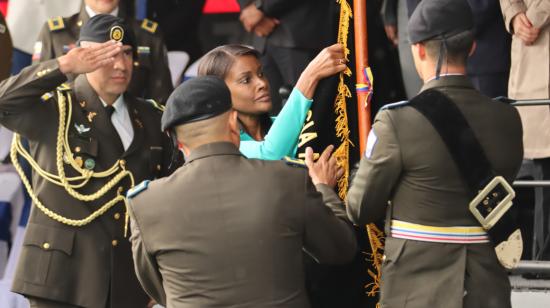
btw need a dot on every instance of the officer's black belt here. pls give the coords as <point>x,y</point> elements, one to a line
<point>469,156</point>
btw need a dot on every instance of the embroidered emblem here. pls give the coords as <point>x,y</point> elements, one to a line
<point>81,129</point>
<point>91,116</point>
<point>149,25</point>
<point>56,23</point>
<point>117,33</point>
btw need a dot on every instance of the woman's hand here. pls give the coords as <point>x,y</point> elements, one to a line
<point>328,62</point>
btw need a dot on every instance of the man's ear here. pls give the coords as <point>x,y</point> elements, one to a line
<point>420,50</point>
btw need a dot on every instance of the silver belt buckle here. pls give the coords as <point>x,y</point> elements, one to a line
<point>492,202</point>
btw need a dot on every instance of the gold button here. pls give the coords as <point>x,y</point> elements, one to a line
<point>158,167</point>
<point>46,246</point>
<point>114,243</point>
<point>122,162</point>
<point>117,216</point>
<point>77,149</point>
<point>136,63</point>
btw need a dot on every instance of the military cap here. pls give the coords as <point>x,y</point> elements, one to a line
<point>197,99</point>
<point>439,19</point>
<point>103,27</point>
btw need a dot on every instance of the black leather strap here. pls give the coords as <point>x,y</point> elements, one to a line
<point>476,170</point>
<point>458,136</point>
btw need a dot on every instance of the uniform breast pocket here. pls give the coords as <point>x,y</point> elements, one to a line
<point>46,252</point>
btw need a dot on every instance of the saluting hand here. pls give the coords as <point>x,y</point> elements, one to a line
<point>81,60</point>
<point>325,170</point>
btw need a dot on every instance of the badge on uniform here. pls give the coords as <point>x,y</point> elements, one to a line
<point>117,33</point>
<point>371,142</point>
<point>81,129</point>
<point>143,50</point>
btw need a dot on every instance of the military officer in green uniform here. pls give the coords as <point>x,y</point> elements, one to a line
<point>232,229</point>
<point>151,75</point>
<point>436,252</point>
<point>90,141</point>
<point>5,49</point>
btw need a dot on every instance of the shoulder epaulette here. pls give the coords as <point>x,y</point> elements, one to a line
<point>136,190</point>
<point>56,23</point>
<point>149,25</point>
<point>155,104</point>
<point>295,162</point>
<point>395,105</point>
<point>64,87</point>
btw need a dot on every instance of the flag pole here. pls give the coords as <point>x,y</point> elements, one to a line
<point>363,75</point>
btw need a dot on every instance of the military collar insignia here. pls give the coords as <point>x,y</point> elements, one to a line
<point>117,33</point>
<point>91,115</point>
<point>138,123</point>
<point>83,104</point>
<point>56,23</point>
<point>149,25</point>
<point>81,129</point>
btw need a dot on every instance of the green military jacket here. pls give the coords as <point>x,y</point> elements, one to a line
<point>151,74</point>
<point>407,165</point>
<point>85,265</point>
<point>230,231</point>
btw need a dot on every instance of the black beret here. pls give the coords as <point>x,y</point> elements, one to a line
<point>439,18</point>
<point>103,27</point>
<point>196,99</point>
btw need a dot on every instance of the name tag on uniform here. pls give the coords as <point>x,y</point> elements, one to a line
<point>143,50</point>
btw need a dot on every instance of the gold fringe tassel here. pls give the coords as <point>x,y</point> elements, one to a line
<point>376,236</point>
<point>342,128</point>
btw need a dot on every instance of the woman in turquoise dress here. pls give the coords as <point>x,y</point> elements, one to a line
<point>264,137</point>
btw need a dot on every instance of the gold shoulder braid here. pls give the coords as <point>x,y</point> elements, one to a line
<point>63,150</point>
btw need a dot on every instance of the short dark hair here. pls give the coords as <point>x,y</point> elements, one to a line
<point>219,60</point>
<point>458,47</point>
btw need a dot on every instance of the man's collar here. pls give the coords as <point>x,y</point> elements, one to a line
<point>91,13</point>
<point>460,81</point>
<point>118,104</point>
<point>212,149</point>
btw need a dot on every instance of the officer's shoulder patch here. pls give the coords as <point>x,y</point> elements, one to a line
<point>395,105</point>
<point>295,162</point>
<point>136,190</point>
<point>149,25</point>
<point>56,23</point>
<point>64,87</point>
<point>155,105</point>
